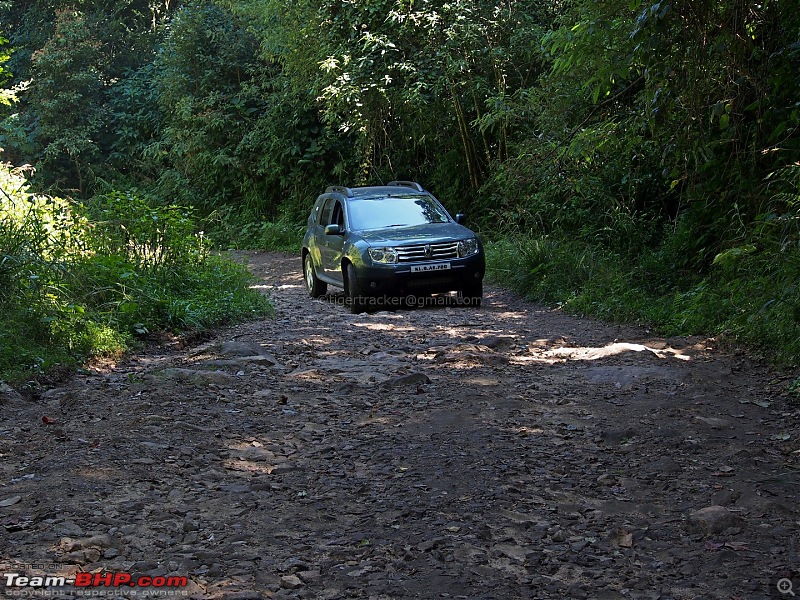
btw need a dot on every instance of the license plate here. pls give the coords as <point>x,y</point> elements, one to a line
<point>426,268</point>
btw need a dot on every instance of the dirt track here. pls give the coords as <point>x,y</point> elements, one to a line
<point>502,452</point>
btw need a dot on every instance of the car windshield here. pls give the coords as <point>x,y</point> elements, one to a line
<point>394,211</point>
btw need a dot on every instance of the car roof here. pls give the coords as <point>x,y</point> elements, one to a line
<point>394,188</point>
<point>385,190</point>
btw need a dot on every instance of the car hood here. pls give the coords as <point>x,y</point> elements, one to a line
<point>419,234</point>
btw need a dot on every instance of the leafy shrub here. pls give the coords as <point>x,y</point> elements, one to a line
<point>37,236</point>
<point>149,237</point>
<point>81,280</point>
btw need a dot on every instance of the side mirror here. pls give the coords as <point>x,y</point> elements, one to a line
<point>461,218</point>
<point>333,230</point>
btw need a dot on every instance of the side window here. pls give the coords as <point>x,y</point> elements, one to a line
<point>338,215</point>
<point>325,216</point>
<point>315,212</point>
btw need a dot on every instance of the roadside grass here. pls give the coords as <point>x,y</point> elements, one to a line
<point>751,297</point>
<point>83,280</point>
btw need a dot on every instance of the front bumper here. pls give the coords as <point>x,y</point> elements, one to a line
<point>401,279</point>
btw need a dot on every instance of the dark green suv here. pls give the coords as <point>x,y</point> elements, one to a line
<point>384,244</point>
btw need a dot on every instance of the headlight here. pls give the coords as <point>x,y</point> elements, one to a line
<point>383,255</point>
<point>467,247</point>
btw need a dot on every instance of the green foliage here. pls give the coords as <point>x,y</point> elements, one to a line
<point>5,74</point>
<point>408,83</point>
<point>40,321</point>
<point>73,60</point>
<point>148,237</point>
<point>751,295</point>
<point>640,155</point>
<point>231,131</point>
<point>77,281</point>
<point>228,229</point>
<point>652,182</point>
<point>135,122</point>
<point>68,92</point>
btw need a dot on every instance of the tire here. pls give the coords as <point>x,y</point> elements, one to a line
<point>355,299</point>
<point>315,287</point>
<point>471,296</point>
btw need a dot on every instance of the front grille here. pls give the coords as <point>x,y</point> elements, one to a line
<point>426,252</point>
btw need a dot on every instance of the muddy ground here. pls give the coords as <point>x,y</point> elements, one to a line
<point>509,451</point>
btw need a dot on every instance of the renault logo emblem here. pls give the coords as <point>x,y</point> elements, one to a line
<point>428,251</point>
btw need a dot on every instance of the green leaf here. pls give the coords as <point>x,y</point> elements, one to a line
<point>732,255</point>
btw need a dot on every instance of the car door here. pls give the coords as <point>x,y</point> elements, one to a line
<point>331,246</point>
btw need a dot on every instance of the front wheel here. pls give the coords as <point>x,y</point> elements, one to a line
<point>315,287</point>
<point>352,290</point>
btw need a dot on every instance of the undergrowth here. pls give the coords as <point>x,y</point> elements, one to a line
<point>747,294</point>
<point>78,280</point>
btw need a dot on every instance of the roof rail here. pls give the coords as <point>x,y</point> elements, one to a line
<point>412,184</point>
<point>341,189</point>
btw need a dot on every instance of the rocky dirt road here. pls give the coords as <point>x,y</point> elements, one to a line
<point>504,452</point>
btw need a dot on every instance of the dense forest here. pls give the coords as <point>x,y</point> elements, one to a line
<point>628,159</point>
